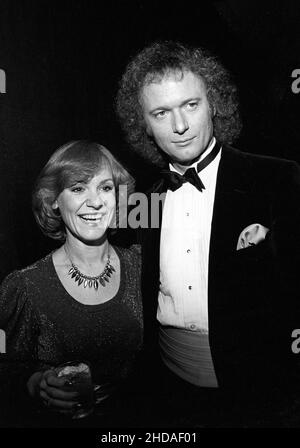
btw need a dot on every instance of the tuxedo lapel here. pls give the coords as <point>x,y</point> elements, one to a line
<point>233,187</point>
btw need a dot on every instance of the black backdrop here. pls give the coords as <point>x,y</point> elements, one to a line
<point>63,60</point>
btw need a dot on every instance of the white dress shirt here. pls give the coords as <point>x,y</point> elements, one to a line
<point>184,251</point>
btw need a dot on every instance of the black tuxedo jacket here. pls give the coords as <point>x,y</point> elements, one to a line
<point>253,302</point>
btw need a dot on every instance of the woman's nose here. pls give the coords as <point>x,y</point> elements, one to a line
<point>95,200</point>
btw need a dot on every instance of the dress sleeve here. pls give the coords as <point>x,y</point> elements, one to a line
<point>18,322</point>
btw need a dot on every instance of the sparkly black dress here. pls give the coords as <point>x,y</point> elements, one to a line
<point>45,326</point>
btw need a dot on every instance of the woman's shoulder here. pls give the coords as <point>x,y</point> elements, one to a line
<point>16,289</point>
<point>130,258</point>
<point>19,278</point>
<point>130,254</point>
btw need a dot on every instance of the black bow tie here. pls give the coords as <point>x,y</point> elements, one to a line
<point>173,180</point>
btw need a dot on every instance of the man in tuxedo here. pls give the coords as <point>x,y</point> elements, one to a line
<point>220,296</point>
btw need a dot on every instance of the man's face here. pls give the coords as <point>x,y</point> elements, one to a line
<point>178,116</point>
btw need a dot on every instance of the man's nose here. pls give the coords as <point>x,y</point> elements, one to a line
<point>95,200</point>
<point>180,122</point>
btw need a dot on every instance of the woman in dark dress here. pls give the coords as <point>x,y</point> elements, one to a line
<point>80,302</point>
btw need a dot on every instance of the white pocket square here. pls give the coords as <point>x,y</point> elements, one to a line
<point>251,236</point>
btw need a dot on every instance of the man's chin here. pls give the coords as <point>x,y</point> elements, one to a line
<point>187,161</point>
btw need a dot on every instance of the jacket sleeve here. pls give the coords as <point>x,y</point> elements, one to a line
<point>286,235</point>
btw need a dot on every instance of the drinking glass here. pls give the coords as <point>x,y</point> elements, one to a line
<point>79,373</point>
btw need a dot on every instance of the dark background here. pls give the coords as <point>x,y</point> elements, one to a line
<point>63,61</point>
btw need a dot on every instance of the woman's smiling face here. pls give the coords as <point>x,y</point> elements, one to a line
<point>88,208</point>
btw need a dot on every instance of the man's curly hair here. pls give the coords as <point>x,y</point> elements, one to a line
<point>151,65</point>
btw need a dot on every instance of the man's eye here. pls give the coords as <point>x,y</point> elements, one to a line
<point>160,114</point>
<point>192,105</point>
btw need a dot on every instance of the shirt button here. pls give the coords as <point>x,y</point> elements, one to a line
<point>192,326</point>
<point>190,287</point>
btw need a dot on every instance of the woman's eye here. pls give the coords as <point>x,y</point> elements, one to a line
<point>107,187</point>
<point>77,189</point>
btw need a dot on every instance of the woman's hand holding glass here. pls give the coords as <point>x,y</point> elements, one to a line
<point>73,395</point>
<point>56,393</point>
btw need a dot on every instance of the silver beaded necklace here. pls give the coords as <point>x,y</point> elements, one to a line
<point>88,281</point>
